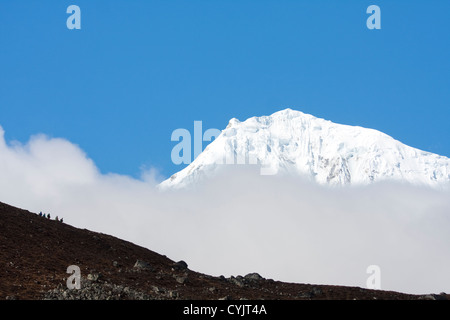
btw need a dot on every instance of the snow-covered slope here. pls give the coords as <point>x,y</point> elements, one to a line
<point>294,143</point>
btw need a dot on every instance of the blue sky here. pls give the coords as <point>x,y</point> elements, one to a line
<point>137,70</point>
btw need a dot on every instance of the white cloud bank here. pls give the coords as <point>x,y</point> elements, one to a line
<point>241,222</point>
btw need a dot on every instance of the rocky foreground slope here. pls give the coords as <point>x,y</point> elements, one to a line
<point>35,253</point>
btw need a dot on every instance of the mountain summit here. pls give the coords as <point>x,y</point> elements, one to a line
<point>294,143</point>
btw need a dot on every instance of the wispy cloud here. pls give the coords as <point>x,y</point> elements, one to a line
<point>241,222</point>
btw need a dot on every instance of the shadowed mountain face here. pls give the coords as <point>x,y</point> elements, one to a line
<point>35,253</point>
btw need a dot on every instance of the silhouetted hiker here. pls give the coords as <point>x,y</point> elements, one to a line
<point>48,216</point>
<point>56,219</point>
<point>61,220</point>
<point>40,214</point>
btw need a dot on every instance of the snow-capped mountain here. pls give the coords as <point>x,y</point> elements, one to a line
<point>295,143</point>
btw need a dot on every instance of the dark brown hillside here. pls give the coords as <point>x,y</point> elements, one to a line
<point>35,253</point>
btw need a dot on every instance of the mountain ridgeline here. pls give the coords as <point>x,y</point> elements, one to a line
<point>297,144</point>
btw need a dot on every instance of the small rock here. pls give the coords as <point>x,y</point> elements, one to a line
<point>427,297</point>
<point>253,276</point>
<point>142,265</point>
<point>315,291</point>
<point>94,277</point>
<point>181,279</point>
<point>180,265</point>
<point>156,289</point>
<point>237,281</point>
<point>305,295</point>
